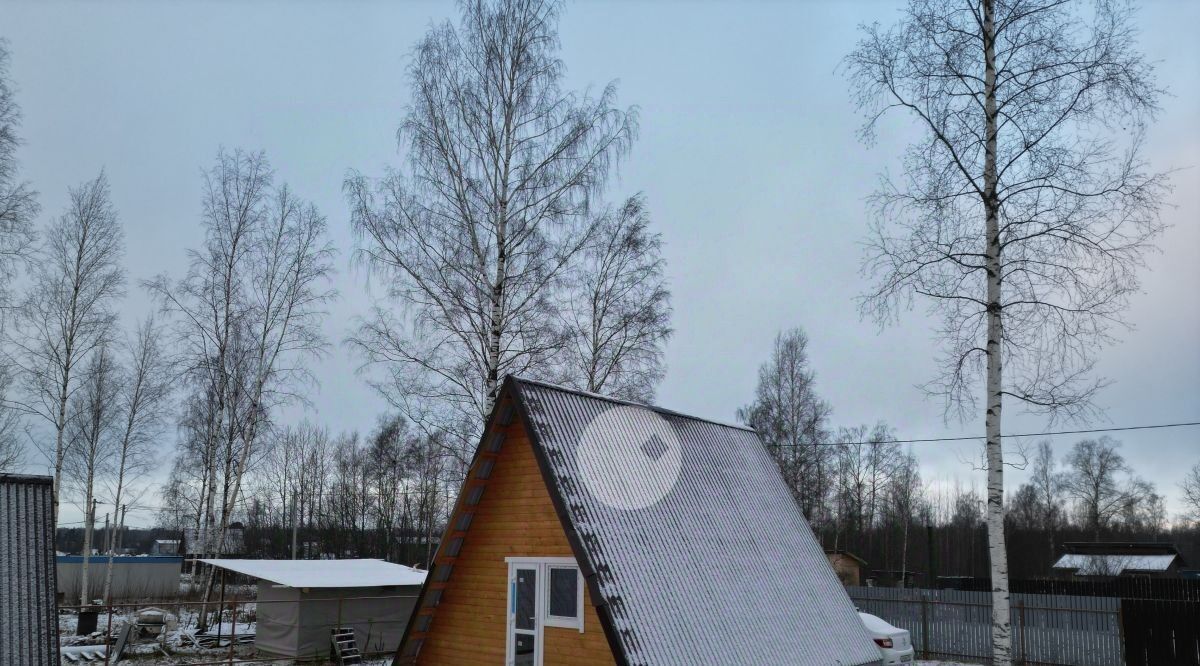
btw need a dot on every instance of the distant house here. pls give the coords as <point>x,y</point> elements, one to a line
<point>165,547</point>
<point>848,566</point>
<point>28,605</point>
<point>300,601</point>
<point>596,531</point>
<point>1112,559</point>
<point>894,578</point>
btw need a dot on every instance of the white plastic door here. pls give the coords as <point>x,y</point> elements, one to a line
<point>523,634</point>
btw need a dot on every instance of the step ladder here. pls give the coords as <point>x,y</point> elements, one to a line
<point>345,647</point>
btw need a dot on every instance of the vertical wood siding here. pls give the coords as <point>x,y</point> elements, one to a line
<point>515,518</point>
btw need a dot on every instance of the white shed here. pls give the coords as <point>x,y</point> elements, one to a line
<point>300,602</point>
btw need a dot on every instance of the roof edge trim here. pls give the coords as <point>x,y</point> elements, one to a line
<point>493,419</point>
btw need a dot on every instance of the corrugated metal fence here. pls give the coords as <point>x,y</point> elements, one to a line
<point>28,612</point>
<point>1048,629</point>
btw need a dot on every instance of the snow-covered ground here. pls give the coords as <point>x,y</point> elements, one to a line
<point>178,646</point>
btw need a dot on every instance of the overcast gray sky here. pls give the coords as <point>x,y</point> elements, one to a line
<point>747,157</point>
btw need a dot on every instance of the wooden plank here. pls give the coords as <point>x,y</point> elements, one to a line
<point>514,517</point>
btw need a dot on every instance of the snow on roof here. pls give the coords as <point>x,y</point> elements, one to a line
<point>325,573</point>
<point>655,496</point>
<point>1112,565</point>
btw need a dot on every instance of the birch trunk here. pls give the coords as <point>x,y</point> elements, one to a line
<point>122,466</point>
<point>64,388</point>
<point>997,552</point>
<point>497,313</point>
<point>60,426</point>
<point>89,525</point>
<point>64,391</point>
<point>109,565</point>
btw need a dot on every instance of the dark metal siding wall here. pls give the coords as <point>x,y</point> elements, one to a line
<point>28,606</point>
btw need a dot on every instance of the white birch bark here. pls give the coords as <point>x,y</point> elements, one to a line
<point>89,522</point>
<point>1021,217</point>
<point>997,552</point>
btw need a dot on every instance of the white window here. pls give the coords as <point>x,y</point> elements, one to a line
<point>564,596</point>
<point>542,592</point>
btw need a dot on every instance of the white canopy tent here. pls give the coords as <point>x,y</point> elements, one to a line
<point>301,601</point>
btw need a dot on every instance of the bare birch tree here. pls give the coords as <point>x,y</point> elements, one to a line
<point>904,494</point>
<point>792,420</point>
<point>67,312</point>
<point>142,403</point>
<point>11,422</point>
<point>617,315</point>
<point>1094,480</point>
<point>1025,210</point>
<point>208,303</point>
<point>474,235</point>
<point>1190,486</point>
<point>90,443</point>
<point>863,461</point>
<point>18,201</point>
<point>18,208</point>
<point>249,315</point>
<point>1048,487</point>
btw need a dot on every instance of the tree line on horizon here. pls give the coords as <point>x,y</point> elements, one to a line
<point>863,492</point>
<point>1022,219</point>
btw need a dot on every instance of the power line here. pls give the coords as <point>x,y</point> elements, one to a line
<point>1028,434</point>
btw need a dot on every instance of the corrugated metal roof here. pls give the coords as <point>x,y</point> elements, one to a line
<point>700,553</point>
<point>1114,564</point>
<point>28,605</point>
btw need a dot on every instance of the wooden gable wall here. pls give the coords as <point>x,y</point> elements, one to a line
<point>514,518</point>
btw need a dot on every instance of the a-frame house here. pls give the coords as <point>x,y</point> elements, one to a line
<point>595,531</point>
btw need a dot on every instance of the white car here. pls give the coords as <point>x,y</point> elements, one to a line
<point>894,643</point>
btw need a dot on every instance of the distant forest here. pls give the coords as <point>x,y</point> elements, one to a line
<point>862,491</point>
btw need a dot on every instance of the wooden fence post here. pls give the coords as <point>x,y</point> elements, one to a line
<point>924,626</point>
<point>1021,627</point>
<point>1121,630</point>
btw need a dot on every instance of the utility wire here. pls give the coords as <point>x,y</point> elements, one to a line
<point>1028,434</point>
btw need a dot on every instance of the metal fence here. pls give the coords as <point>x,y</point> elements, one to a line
<point>1048,629</point>
<point>1124,587</point>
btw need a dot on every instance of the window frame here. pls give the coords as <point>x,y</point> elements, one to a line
<point>564,621</point>
<point>544,565</point>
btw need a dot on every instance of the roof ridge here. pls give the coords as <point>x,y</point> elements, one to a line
<point>629,403</point>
